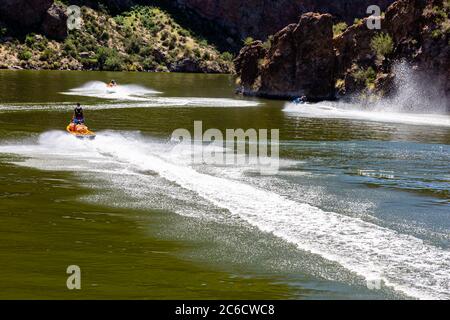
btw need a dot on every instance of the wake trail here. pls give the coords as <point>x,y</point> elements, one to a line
<point>400,261</point>
<point>349,111</point>
<point>156,102</point>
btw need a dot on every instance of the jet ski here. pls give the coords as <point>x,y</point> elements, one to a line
<point>111,87</point>
<point>80,131</point>
<point>298,101</point>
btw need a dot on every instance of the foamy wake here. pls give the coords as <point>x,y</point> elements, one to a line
<point>155,102</point>
<point>98,89</point>
<point>402,262</point>
<point>342,110</point>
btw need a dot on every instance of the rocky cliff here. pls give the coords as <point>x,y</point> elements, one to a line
<point>355,60</point>
<point>251,18</point>
<point>299,61</point>
<point>43,16</point>
<point>260,18</point>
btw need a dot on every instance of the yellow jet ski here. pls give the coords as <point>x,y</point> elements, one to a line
<point>80,131</point>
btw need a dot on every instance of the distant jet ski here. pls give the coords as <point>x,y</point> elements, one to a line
<point>300,100</point>
<point>80,131</point>
<point>111,86</point>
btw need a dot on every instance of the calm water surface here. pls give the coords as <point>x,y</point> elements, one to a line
<point>360,196</point>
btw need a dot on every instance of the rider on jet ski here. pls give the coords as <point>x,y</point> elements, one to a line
<point>300,100</point>
<point>78,117</point>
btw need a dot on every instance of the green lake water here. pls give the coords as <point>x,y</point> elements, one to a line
<point>360,197</point>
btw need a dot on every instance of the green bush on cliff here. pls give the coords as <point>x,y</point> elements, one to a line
<point>25,55</point>
<point>365,76</point>
<point>227,56</point>
<point>339,28</point>
<point>109,59</point>
<point>268,43</point>
<point>3,31</point>
<point>248,41</point>
<point>70,48</point>
<point>30,39</point>
<point>149,64</point>
<point>48,55</point>
<point>382,45</point>
<point>113,63</point>
<point>133,45</point>
<point>89,63</point>
<point>442,20</point>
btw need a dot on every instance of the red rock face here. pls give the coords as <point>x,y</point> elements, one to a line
<point>299,62</point>
<point>260,18</point>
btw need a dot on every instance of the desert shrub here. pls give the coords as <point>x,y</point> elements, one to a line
<point>149,64</point>
<point>166,43</point>
<point>48,55</point>
<point>197,52</point>
<point>145,51</point>
<point>105,36</point>
<point>366,76</point>
<point>119,20</point>
<point>248,41</point>
<point>340,84</point>
<point>339,28</point>
<point>113,63</point>
<point>227,56</point>
<point>108,59</point>
<point>133,45</point>
<point>56,65</point>
<point>164,35</point>
<point>89,63</point>
<point>206,55</point>
<point>70,48</point>
<point>382,44</point>
<point>25,55</point>
<point>184,33</point>
<point>30,40</point>
<point>268,43</point>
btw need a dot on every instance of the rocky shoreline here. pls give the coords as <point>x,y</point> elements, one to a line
<point>142,38</point>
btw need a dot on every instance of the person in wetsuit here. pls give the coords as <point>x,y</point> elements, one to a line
<point>78,117</point>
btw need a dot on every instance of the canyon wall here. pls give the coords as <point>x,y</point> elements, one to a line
<point>260,18</point>
<point>250,18</point>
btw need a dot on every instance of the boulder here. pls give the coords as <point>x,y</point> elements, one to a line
<point>300,61</point>
<point>247,63</point>
<point>54,24</point>
<point>187,65</point>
